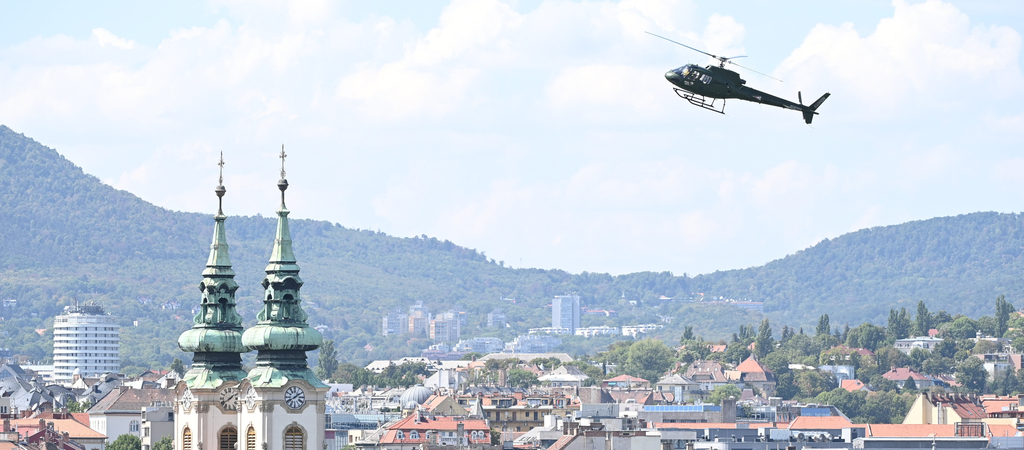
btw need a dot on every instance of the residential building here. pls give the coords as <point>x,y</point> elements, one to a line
<point>419,320</point>
<point>902,374</point>
<point>444,329</point>
<point>634,330</point>
<point>533,343</point>
<point>908,345</point>
<point>482,345</point>
<point>85,338</point>
<point>597,331</point>
<point>751,373</point>
<point>157,423</point>
<point>565,312</point>
<point>931,408</point>
<point>626,382</point>
<point>684,389</point>
<point>50,427</point>
<point>496,319</point>
<point>418,431</point>
<point>395,323</point>
<point>709,374</point>
<point>549,330</point>
<point>997,363</point>
<point>121,411</point>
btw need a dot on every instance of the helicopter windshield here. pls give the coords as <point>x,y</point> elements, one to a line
<point>688,72</point>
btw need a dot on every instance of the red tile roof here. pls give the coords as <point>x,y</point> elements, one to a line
<point>853,385</point>
<point>423,423</point>
<point>621,378</point>
<point>902,373</point>
<point>752,366</point>
<point>74,428</point>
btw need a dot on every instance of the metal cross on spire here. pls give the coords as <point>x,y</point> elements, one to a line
<point>220,179</point>
<point>283,156</point>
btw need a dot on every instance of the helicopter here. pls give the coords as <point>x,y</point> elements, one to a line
<point>703,86</point>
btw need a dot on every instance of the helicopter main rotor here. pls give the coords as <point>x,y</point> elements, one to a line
<point>722,60</point>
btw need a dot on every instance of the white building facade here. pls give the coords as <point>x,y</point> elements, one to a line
<point>565,312</point>
<point>85,338</point>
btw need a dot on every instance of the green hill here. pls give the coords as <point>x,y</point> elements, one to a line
<point>65,234</point>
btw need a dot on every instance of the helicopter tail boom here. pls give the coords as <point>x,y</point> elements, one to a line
<point>809,110</point>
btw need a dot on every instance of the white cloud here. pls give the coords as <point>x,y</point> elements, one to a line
<point>106,38</point>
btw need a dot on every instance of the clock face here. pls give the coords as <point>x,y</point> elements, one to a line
<point>294,397</point>
<point>229,398</point>
<point>250,398</point>
<point>186,399</point>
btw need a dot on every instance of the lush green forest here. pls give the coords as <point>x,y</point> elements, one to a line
<point>65,234</point>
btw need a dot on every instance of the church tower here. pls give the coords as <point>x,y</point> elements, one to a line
<point>207,408</point>
<point>282,401</point>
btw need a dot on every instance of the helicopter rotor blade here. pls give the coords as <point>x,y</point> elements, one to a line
<point>684,45</point>
<point>752,70</point>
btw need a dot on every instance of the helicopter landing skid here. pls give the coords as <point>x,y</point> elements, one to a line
<point>701,101</point>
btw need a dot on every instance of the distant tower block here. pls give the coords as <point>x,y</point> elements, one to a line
<point>565,312</point>
<point>85,338</point>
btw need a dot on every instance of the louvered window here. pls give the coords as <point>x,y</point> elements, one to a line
<point>186,439</point>
<point>294,440</point>
<point>228,438</point>
<point>250,439</point>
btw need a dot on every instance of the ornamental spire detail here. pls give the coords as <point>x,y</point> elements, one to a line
<point>215,338</point>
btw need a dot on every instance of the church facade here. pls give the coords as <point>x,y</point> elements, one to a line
<point>279,404</point>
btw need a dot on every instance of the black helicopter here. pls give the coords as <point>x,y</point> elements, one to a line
<point>699,84</point>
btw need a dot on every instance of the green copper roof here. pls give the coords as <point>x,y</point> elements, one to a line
<point>216,335</point>
<point>281,335</point>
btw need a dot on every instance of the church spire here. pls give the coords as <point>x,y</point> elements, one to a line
<point>281,335</point>
<point>215,338</point>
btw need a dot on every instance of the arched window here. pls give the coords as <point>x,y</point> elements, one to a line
<point>228,438</point>
<point>414,434</point>
<point>400,434</point>
<point>294,439</point>
<point>250,439</point>
<point>186,439</point>
<point>133,426</point>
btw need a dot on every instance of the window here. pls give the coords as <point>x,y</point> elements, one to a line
<point>133,426</point>
<point>414,435</point>
<point>186,439</point>
<point>294,439</point>
<point>400,435</point>
<point>250,439</point>
<point>228,438</point>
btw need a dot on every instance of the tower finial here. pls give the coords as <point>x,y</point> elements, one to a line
<point>220,186</point>
<point>283,156</point>
<point>282,184</point>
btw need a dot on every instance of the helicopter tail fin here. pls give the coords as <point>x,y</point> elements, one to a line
<point>809,110</point>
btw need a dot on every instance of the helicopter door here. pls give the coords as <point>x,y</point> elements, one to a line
<point>706,79</point>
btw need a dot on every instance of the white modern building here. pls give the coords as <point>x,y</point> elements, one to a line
<point>597,331</point>
<point>565,312</point>
<point>87,339</point>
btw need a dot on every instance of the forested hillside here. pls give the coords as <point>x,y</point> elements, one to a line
<point>65,234</point>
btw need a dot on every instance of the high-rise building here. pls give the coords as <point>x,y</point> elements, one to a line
<point>85,338</point>
<point>496,319</point>
<point>444,329</point>
<point>565,312</point>
<point>395,323</point>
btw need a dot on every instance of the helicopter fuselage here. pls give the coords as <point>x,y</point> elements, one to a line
<point>719,82</point>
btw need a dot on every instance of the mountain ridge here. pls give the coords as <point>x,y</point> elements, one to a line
<point>67,234</point>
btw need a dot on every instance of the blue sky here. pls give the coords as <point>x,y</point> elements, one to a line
<point>540,132</point>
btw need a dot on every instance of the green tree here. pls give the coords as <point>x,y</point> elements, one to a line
<point>327,361</point>
<point>649,359</point>
<point>687,334</point>
<point>923,320</point>
<point>723,392</point>
<point>178,367</point>
<point>810,383</point>
<point>961,328</point>
<point>471,356</point>
<point>521,378</point>
<point>126,442</point>
<point>867,336</point>
<point>971,374</point>
<point>823,329</point>
<point>76,407</point>
<point>899,324</point>
<point>165,443</point>
<point>910,385</point>
<point>764,342</point>
<point>1003,310</point>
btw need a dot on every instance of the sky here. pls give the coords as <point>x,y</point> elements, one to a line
<point>540,132</point>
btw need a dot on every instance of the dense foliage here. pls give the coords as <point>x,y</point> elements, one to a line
<point>68,235</point>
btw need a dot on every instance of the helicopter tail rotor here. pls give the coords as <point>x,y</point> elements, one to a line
<point>809,110</point>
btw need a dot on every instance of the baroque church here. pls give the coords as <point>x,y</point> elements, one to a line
<point>279,404</point>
